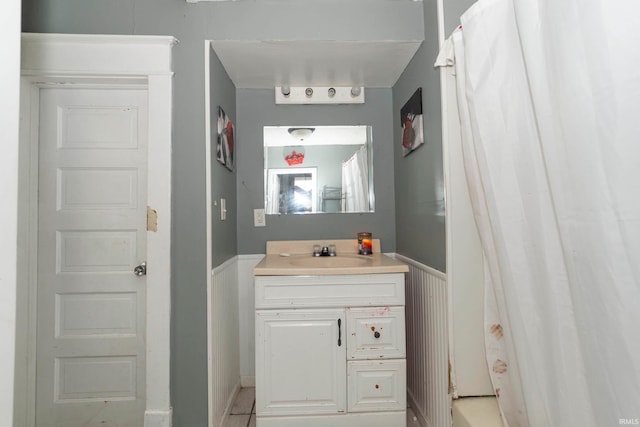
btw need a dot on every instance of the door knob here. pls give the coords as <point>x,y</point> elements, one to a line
<point>376,334</point>
<point>140,270</point>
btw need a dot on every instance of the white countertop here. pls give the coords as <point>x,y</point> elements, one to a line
<point>294,258</point>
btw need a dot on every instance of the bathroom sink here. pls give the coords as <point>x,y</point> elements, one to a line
<point>294,258</point>
<point>329,261</point>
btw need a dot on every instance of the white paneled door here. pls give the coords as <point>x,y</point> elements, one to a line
<point>92,225</point>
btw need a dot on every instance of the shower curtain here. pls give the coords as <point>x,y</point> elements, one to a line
<point>549,103</point>
<point>355,182</point>
<point>273,194</point>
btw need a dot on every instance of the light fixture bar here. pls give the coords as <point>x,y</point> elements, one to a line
<point>319,94</point>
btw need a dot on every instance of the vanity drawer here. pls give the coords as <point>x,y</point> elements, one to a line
<point>375,333</point>
<point>329,291</point>
<point>376,385</point>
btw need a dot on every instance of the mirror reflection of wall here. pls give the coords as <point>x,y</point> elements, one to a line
<point>341,158</point>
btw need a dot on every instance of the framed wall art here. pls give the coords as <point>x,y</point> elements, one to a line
<point>412,123</point>
<point>225,148</point>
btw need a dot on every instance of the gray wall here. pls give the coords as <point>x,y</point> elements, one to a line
<point>453,9</point>
<point>420,203</point>
<point>327,158</point>
<point>223,180</point>
<point>256,109</point>
<point>192,24</point>
<point>419,184</point>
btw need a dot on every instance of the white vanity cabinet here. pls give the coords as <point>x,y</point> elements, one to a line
<point>330,351</point>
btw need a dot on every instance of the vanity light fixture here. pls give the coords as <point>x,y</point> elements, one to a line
<point>319,94</point>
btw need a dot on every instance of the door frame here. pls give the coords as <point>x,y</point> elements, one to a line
<point>50,60</point>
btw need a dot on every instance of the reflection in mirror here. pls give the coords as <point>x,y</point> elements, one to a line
<point>293,189</point>
<point>312,169</point>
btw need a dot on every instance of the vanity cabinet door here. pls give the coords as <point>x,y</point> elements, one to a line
<point>300,361</point>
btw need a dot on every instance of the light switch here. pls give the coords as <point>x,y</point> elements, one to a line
<point>259,219</point>
<point>223,209</point>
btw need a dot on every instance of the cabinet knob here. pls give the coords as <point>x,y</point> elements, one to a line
<point>376,334</point>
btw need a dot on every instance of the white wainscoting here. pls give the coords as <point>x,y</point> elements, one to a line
<point>224,350</point>
<point>427,344</point>
<point>247,318</point>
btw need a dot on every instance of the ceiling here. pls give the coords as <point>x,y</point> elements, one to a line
<point>266,64</point>
<point>278,136</point>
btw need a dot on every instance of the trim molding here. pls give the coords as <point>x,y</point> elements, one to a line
<point>224,265</point>
<point>209,228</point>
<point>158,418</point>
<point>10,326</point>
<point>421,266</point>
<point>96,55</point>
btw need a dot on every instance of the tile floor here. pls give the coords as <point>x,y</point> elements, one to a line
<point>243,412</point>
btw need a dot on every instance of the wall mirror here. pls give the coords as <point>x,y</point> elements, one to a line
<point>318,169</point>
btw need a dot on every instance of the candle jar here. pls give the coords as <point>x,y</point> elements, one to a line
<point>365,243</point>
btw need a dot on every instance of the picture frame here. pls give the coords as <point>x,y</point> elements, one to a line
<point>411,121</point>
<point>225,150</point>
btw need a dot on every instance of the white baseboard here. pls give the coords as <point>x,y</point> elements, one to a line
<point>157,418</point>
<point>227,409</point>
<point>353,419</point>
<point>417,411</point>
<point>248,381</point>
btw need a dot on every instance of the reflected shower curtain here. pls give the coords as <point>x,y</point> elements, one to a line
<point>273,194</point>
<point>549,100</point>
<point>355,182</point>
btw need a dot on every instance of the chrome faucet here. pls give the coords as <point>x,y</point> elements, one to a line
<point>324,250</point>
